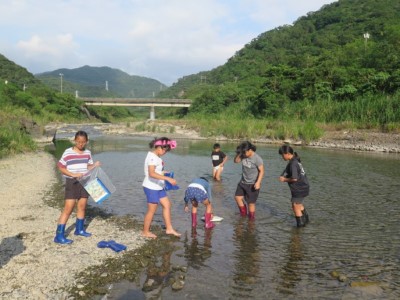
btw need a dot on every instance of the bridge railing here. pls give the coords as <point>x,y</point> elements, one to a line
<point>142,101</point>
<point>151,102</point>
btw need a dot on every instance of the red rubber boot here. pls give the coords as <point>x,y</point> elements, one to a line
<point>194,219</point>
<point>243,210</point>
<point>209,224</point>
<point>252,215</point>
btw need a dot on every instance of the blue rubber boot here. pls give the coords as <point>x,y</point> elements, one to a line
<point>116,246</point>
<point>60,238</point>
<point>80,229</point>
<point>103,244</point>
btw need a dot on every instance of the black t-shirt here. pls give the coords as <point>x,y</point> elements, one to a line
<point>295,170</point>
<point>217,157</point>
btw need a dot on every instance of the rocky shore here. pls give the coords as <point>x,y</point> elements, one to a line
<point>359,140</point>
<point>356,140</point>
<point>32,266</point>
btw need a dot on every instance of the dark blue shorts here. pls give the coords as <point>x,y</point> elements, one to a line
<point>154,196</point>
<point>193,193</point>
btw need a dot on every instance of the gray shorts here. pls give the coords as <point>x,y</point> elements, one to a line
<point>297,200</point>
<point>74,189</point>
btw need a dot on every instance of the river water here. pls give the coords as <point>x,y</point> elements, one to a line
<point>354,210</point>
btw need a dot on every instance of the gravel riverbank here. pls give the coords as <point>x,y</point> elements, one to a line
<point>32,266</point>
<point>354,139</point>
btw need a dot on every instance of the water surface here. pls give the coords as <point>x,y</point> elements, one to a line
<point>354,230</point>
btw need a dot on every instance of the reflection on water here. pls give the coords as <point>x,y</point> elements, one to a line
<point>246,272</point>
<point>290,274</point>
<point>354,229</point>
<point>158,273</point>
<point>197,252</point>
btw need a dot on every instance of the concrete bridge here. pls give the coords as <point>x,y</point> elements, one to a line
<point>151,102</point>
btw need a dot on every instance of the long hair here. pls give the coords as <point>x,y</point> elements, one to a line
<point>285,149</point>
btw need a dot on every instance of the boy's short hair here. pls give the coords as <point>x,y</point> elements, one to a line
<point>216,146</point>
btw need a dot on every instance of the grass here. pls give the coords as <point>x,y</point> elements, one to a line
<point>13,137</point>
<point>302,120</point>
<point>251,128</point>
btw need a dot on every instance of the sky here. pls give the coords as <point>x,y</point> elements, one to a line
<point>160,39</point>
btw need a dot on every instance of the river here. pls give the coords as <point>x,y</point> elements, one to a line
<point>354,230</point>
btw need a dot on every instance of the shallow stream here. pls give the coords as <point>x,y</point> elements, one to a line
<point>354,231</point>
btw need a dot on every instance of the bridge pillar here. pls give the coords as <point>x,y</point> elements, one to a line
<point>152,113</point>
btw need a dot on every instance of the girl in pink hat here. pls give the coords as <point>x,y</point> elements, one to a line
<point>154,185</point>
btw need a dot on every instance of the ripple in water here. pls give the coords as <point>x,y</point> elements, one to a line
<point>354,229</point>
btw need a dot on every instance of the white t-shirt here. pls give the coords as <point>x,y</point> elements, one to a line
<point>149,182</point>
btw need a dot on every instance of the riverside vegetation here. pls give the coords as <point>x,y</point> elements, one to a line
<point>337,68</point>
<point>334,68</point>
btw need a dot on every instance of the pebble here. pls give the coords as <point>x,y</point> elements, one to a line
<point>178,285</point>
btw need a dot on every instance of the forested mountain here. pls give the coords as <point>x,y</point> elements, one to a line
<point>15,74</point>
<point>101,81</point>
<point>345,52</point>
<point>24,97</point>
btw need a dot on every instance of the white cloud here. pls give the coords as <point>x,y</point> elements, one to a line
<point>48,51</point>
<point>161,39</point>
<point>55,46</point>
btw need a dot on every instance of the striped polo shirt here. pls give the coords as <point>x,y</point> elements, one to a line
<point>75,162</point>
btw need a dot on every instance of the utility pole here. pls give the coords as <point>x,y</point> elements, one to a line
<point>61,82</point>
<point>106,85</point>
<point>366,37</point>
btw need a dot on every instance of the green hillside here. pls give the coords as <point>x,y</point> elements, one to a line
<point>339,64</point>
<point>336,68</point>
<point>26,105</point>
<point>101,82</point>
<point>14,74</point>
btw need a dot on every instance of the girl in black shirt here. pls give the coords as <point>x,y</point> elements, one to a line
<point>296,178</point>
